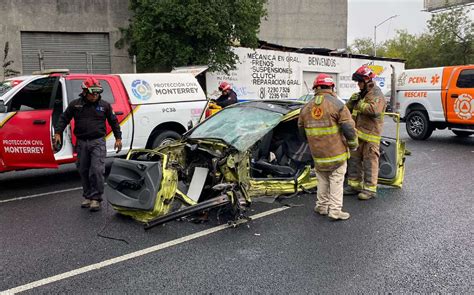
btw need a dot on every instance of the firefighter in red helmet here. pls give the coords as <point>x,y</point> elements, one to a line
<point>228,96</point>
<point>327,124</point>
<point>367,107</point>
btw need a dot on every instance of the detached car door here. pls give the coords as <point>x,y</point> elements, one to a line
<point>26,129</point>
<point>392,154</point>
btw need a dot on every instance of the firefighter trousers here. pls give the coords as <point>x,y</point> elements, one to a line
<point>330,188</point>
<point>91,164</point>
<point>363,167</point>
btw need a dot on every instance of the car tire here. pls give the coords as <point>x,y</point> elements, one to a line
<point>418,126</point>
<point>164,137</point>
<point>462,133</point>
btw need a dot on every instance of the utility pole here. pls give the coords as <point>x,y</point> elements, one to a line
<point>375,32</point>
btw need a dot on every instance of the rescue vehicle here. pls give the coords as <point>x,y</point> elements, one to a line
<point>436,98</point>
<point>152,109</point>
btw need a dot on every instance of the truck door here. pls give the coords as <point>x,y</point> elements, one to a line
<point>26,129</point>
<point>114,94</point>
<point>460,97</point>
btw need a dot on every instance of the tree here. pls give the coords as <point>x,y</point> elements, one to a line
<point>448,41</point>
<point>452,32</point>
<point>415,49</point>
<point>7,71</point>
<point>366,46</point>
<point>169,33</point>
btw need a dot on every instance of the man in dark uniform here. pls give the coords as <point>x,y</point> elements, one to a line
<point>228,95</point>
<point>89,113</point>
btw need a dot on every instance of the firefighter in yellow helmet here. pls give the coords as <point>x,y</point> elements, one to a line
<point>327,124</point>
<point>367,107</point>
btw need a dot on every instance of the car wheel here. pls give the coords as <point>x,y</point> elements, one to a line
<point>462,133</point>
<point>418,126</point>
<point>164,137</point>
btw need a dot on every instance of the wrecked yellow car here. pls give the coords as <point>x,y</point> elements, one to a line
<point>243,152</point>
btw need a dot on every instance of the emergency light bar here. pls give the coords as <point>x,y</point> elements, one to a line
<point>52,71</point>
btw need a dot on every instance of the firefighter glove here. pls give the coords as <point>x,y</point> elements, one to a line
<point>355,96</point>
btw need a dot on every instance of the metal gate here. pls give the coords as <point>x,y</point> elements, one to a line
<point>78,52</point>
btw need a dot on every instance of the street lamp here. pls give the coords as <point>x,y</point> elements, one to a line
<point>375,32</point>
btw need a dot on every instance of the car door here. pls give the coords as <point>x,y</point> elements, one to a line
<point>392,154</point>
<point>460,97</point>
<point>114,94</point>
<point>26,130</point>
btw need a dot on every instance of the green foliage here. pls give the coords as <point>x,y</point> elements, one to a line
<point>6,64</point>
<point>448,41</point>
<point>415,49</point>
<point>366,46</point>
<point>169,33</point>
<point>452,33</point>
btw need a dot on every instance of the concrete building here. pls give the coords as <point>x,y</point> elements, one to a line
<point>77,34</point>
<point>81,34</point>
<point>439,5</point>
<point>306,23</point>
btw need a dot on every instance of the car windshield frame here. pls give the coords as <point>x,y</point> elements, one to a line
<point>238,126</point>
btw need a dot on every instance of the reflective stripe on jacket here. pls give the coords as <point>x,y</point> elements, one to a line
<point>368,113</point>
<point>329,128</point>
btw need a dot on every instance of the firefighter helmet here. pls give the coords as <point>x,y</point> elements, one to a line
<point>363,74</point>
<point>323,79</point>
<point>92,85</point>
<point>224,86</point>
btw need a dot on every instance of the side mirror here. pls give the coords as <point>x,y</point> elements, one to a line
<point>190,125</point>
<point>3,107</point>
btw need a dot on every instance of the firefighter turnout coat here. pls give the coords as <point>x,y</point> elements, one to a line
<point>368,113</point>
<point>329,128</point>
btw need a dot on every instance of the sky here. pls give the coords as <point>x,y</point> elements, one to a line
<point>363,15</point>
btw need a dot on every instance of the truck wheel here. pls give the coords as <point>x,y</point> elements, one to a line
<point>418,125</point>
<point>462,133</point>
<point>164,137</point>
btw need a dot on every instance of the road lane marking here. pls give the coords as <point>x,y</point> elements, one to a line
<point>129,256</point>
<point>40,195</point>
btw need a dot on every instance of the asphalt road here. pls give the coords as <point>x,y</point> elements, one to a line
<point>415,239</point>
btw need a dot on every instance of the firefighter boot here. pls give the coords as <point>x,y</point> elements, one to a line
<point>86,203</point>
<point>339,215</point>
<point>349,190</point>
<point>95,205</point>
<point>365,195</point>
<point>321,210</point>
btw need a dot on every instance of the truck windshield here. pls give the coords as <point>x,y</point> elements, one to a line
<point>241,127</point>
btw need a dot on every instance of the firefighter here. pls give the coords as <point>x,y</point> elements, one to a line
<point>367,107</point>
<point>228,96</point>
<point>89,112</point>
<point>327,124</point>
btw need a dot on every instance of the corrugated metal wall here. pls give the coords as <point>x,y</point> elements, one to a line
<point>432,5</point>
<point>78,52</point>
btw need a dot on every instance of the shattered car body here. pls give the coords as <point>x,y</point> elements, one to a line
<point>245,151</point>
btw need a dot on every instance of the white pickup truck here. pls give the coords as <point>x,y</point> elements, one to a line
<point>436,98</point>
<point>151,108</point>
